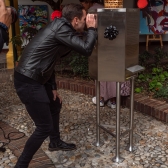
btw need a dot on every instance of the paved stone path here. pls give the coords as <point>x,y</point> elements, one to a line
<point>77,124</point>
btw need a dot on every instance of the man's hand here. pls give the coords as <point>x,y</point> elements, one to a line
<point>55,95</point>
<point>91,20</point>
<point>5,14</point>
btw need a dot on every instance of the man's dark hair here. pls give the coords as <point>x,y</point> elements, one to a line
<point>72,10</point>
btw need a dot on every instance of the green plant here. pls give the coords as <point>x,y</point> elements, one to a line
<point>138,89</point>
<point>152,80</point>
<point>79,64</point>
<point>143,77</point>
<point>159,55</point>
<point>17,40</point>
<point>28,33</point>
<point>74,65</point>
<point>162,93</point>
<point>147,59</point>
<point>22,40</point>
<point>158,77</point>
<point>144,57</point>
<point>65,61</point>
<point>154,85</point>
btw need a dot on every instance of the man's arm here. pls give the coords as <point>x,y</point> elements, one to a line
<point>52,82</point>
<point>69,38</point>
<point>5,21</point>
<point>1,40</point>
<point>84,47</point>
<point>5,14</point>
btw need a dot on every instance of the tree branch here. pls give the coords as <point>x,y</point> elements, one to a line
<point>54,5</point>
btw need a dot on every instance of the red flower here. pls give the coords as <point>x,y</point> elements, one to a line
<point>142,3</point>
<point>56,14</point>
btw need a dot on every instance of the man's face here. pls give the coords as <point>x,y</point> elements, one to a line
<point>80,23</point>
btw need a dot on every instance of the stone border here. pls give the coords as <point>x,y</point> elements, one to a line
<point>85,87</point>
<point>143,104</point>
<point>152,107</point>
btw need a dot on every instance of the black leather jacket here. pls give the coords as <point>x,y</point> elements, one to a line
<point>56,40</point>
<point>4,38</point>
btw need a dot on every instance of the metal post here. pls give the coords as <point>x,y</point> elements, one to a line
<point>97,143</point>
<point>130,147</point>
<point>117,158</point>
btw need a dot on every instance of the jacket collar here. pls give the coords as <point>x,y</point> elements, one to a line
<point>67,22</point>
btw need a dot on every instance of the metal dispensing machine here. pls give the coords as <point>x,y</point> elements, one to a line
<point>115,58</point>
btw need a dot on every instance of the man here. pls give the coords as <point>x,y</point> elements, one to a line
<point>5,22</point>
<point>34,77</point>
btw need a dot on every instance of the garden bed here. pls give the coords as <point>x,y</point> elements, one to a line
<point>152,82</point>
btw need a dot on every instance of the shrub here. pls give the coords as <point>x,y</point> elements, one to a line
<point>154,80</point>
<point>162,93</point>
<point>79,64</point>
<point>144,58</point>
<point>75,64</point>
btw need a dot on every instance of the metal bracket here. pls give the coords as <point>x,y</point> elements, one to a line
<point>135,69</point>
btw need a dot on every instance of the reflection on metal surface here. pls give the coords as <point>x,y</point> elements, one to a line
<point>98,142</point>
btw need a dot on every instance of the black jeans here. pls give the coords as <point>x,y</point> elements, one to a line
<point>38,100</point>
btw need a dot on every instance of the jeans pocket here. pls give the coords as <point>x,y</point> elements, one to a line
<point>39,94</point>
<point>23,91</point>
<point>29,93</point>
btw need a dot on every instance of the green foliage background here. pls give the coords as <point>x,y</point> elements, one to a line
<point>76,63</point>
<point>154,80</point>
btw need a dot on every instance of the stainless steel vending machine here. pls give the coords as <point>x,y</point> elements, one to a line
<point>111,57</point>
<point>115,58</point>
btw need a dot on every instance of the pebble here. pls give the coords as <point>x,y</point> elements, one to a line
<point>80,129</point>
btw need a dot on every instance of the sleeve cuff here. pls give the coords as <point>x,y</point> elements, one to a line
<point>54,86</point>
<point>92,28</point>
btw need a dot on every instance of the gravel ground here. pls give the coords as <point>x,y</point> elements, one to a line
<point>77,124</point>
